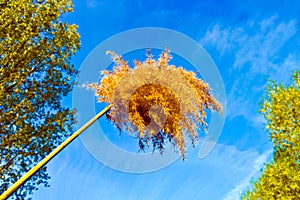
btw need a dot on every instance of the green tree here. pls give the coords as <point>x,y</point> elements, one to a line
<point>35,74</point>
<point>281,177</point>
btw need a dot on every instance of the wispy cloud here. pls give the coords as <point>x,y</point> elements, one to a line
<point>196,178</point>
<point>93,3</point>
<point>259,50</point>
<point>236,192</point>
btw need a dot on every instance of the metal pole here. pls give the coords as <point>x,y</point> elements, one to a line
<point>43,162</point>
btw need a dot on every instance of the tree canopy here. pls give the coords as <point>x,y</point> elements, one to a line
<point>35,74</point>
<point>281,177</point>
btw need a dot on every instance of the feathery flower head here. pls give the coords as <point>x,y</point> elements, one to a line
<point>156,101</point>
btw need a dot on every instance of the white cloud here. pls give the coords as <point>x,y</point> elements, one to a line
<point>236,192</point>
<point>262,48</point>
<point>93,3</point>
<point>258,44</point>
<point>223,168</point>
<point>258,53</point>
<point>224,39</point>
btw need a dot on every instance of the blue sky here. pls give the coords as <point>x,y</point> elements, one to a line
<point>249,42</point>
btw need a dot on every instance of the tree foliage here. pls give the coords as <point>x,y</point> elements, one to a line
<point>35,74</point>
<point>157,101</point>
<point>281,177</point>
